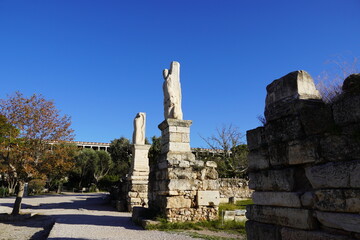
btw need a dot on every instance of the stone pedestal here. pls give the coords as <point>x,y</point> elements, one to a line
<point>183,188</point>
<point>138,177</point>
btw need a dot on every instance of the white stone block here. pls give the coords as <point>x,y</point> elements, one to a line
<point>208,198</point>
<point>178,202</point>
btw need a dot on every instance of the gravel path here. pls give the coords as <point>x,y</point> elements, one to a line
<point>77,216</point>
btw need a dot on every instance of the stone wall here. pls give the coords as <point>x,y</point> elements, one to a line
<point>182,188</point>
<point>304,163</point>
<point>236,188</point>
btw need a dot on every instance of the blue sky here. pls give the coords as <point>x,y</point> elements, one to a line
<point>102,61</point>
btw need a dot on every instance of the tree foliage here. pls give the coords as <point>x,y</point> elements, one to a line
<point>231,155</point>
<point>37,123</point>
<point>155,149</point>
<point>58,163</point>
<point>83,171</point>
<point>102,165</point>
<point>90,167</point>
<point>121,153</point>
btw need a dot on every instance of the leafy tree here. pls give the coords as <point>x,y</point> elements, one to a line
<point>155,149</point>
<point>90,167</point>
<point>58,163</point>
<point>121,153</point>
<point>8,140</point>
<point>84,165</point>
<point>102,165</point>
<point>231,154</point>
<point>39,123</point>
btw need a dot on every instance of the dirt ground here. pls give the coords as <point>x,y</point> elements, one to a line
<point>36,227</point>
<point>77,215</point>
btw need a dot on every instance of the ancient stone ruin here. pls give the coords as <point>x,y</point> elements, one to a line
<point>304,163</point>
<point>137,184</point>
<point>181,188</point>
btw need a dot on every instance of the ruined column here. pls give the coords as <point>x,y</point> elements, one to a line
<point>139,171</point>
<point>183,188</point>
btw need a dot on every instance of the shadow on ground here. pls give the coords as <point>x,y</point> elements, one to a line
<point>38,221</point>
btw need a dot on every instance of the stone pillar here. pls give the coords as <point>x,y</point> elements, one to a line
<point>183,189</point>
<point>138,177</point>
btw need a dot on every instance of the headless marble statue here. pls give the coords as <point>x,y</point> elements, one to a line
<point>172,92</point>
<point>139,129</point>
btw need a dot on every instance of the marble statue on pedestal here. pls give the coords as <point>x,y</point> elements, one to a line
<point>139,129</point>
<point>172,92</point>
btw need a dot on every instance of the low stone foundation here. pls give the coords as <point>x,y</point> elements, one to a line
<point>232,189</point>
<point>192,214</point>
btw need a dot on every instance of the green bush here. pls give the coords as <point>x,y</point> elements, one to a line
<point>36,186</point>
<point>108,181</point>
<point>4,192</point>
<point>93,188</point>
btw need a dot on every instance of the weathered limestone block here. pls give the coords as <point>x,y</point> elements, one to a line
<point>211,164</point>
<point>175,158</point>
<point>315,116</point>
<point>202,213</point>
<point>229,215</point>
<point>183,184</point>
<point>284,129</point>
<point>139,188</point>
<point>355,176</point>
<point>208,198</point>
<point>338,200</point>
<point>181,173</point>
<point>175,146</point>
<point>300,152</point>
<point>340,147</point>
<point>273,180</point>
<point>140,160</point>
<point>345,221</point>
<point>178,202</point>
<point>258,160</point>
<point>262,231</point>
<point>335,175</point>
<point>351,84</point>
<point>278,154</point>
<point>347,110</point>
<point>255,138</point>
<point>210,185</point>
<point>234,188</point>
<point>209,173</point>
<point>288,217</point>
<point>235,215</point>
<point>293,86</point>
<point>199,164</point>
<point>296,234</point>
<point>281,199</point>
<point>173,132</point>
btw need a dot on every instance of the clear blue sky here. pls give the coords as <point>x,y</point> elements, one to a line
<point>102,61</point>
